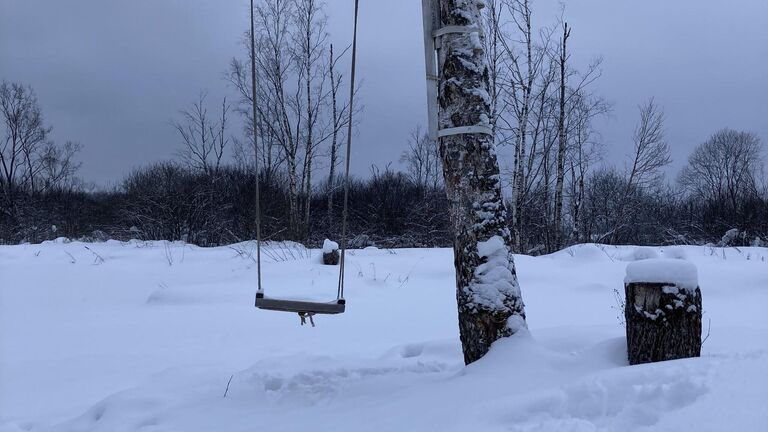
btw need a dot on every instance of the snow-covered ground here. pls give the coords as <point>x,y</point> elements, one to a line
<point>146,336</point>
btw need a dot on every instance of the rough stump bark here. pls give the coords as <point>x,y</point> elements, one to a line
<point>331,258</point>
<point>663,322</point>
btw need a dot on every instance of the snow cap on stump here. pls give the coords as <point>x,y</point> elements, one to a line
<point>681,273</point>
<point>330,252</point>
<point>329,246</point>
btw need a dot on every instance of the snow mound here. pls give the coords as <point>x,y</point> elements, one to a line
<point>57,240</point>
<point>639,253</point>
<point>176,296</point>
<point>675,253</point>
<point>625,399</point>
<point>443,351</point>
<point>658,270</point>
<point>583,252</point>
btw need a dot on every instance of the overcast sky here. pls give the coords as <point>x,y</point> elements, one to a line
<point>112,74</point>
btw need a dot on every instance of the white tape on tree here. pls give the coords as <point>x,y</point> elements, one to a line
<point>461,130</point>
<point>456,29</point>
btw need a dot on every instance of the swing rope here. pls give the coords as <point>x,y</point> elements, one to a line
<point>340,291</point>
<point>345,211</point>
<point>255,154</point>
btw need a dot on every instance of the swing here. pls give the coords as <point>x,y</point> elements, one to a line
<point>305,309</point>
<point>299,306</point>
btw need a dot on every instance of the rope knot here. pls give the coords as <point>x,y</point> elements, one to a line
<point>305,315</point>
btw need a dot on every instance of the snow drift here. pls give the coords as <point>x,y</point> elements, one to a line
<point>152,336</point>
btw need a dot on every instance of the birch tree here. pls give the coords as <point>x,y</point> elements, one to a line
<point>585,150</point>
<point>524,69</point>
<point>298,110</point>
<point>338,120</point>
<point>336,124</point>
<point>489,301</point>
<point>279,103</point>
<point>495,54</point>
<point>561,138</point>
<point>266,127</point>
<point>310,38</point>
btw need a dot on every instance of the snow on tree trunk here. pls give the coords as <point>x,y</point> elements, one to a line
<point>490,305</point>
<point>662,311</point>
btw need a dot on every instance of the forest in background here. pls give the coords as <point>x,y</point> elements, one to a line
<point>559,189</point>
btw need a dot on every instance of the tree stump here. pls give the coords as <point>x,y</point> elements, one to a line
<point>662,311</point>
<point>330,252</point>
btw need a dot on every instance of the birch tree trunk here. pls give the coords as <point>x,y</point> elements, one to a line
<point>293,198</point>
<point>522,143</point>
<point>334,137</point>
<point>308,153</point>
<point>560,176</point>
<point>306,24</point>
<point>490,305</point>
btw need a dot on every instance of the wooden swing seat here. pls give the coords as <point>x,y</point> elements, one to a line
<point>300,306</point>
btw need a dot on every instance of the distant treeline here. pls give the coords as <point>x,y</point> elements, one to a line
<point>560,190</point>
<point>169,201</point>
<point>389,209</point>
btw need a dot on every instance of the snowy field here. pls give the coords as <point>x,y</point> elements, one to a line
<point>143,336</point>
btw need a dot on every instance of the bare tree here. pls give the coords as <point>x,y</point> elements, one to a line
<point>422,159</point>
<point>280,107</point>
<point>274,21</point>
<point>204,140</point>
<point>524,69</point>
<point>536,96</point>
<point>517,59</point>
<point>584,152</point>
<point>58,167</point>
<point>264,127</point>
<point>651,151</point>
<point>25,134</point>
<point>338,121</point>
<point>495,55</point>
<point>725,169</point>
<point>489,300</point>
<point>336,124</point>
<point>310,44</point>
<point>650,155</point>
<point>297,111</point>
<point>536,171</point>
<point>581,106</point>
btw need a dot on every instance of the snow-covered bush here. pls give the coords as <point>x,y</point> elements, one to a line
<point>729,238</point>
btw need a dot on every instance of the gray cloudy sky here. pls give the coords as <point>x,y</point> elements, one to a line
<point>112,74</point>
